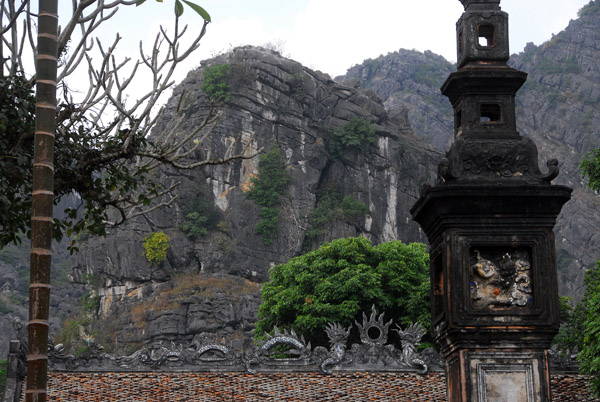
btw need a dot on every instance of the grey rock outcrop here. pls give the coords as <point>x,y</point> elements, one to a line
<point>275,103</point>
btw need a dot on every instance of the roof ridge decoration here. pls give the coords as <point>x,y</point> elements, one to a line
<point>282,351</point>
<point>211,355</point>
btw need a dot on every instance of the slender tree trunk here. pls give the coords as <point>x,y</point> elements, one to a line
<point>43,199</point>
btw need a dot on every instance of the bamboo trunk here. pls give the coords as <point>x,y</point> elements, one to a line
<point>43,200</point>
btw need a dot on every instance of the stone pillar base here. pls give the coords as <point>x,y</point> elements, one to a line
<point>498,375</point>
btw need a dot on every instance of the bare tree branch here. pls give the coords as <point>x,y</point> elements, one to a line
<point>113,129</point>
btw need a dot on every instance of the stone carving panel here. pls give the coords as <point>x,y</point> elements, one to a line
<point>498,159</point>
<point>500,278</point>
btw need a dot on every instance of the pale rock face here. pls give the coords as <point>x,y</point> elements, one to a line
<point>391,224</point>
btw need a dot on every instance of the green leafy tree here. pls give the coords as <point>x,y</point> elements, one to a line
<point>589,354</point>
<point>355,134</point>
<point>584,328</point>
<point>266,191</point>
<point>590,168</point>
<point>342,279</point>
<point>216,83</point>
<point>155,247</point>
<point>566,317</point>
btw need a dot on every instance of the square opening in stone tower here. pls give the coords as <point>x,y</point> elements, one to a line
<point>486,35</point>
<point>490,113</point>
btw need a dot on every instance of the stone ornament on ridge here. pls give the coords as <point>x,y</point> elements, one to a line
<point>410,339</point>
<point>376,324</point>
<point>338,336</point>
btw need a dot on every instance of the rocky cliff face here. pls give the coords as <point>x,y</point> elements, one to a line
<point>275,103</point>
<point>410,80</point>
<point>557,108</point>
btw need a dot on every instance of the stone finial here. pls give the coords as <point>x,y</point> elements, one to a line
<point>481,4</point>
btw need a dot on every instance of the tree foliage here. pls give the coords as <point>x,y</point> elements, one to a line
<point>156,245</point>
<point>266,192</point>
<point>216,82</point>
<point>582,329</point>
<point>104,153</point>
<point>342,279</point>
<point>179,8</point>
<point>355,134</point>
<point>17,109</point>
<point>590,167</point>
<point>589,355</point>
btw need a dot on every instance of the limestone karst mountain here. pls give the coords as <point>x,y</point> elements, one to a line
<point>275,104</point>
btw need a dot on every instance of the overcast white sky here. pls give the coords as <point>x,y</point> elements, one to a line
<point>333,35</point>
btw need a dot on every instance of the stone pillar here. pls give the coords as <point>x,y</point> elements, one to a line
<point>490,223</point>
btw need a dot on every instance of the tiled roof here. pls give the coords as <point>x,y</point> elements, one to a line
<point>282,386</point>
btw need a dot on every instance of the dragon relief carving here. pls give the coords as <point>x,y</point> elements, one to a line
<point>265,353</point>
<point>410,338</point>
<point>338,336</point>
<point>500,159</point>
<point>210,352</point>
<point>155,356</point>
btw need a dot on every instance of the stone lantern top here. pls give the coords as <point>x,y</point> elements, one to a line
<point>481,4</point>
<point>487,146</point>
<point>482,34</point>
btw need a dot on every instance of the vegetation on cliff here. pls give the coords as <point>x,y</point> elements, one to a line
<point>266,191</point>
<point>216,82</point>
<point>356,134</point>
<point>156,245</point>
<point>3,369</point>
<point>590,168</point>
<point>332,206</point>
<point>201,217</point>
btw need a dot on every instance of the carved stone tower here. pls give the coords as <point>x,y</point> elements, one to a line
<point>490,224</point>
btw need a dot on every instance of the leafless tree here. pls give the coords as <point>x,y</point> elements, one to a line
<point>105,124</point>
